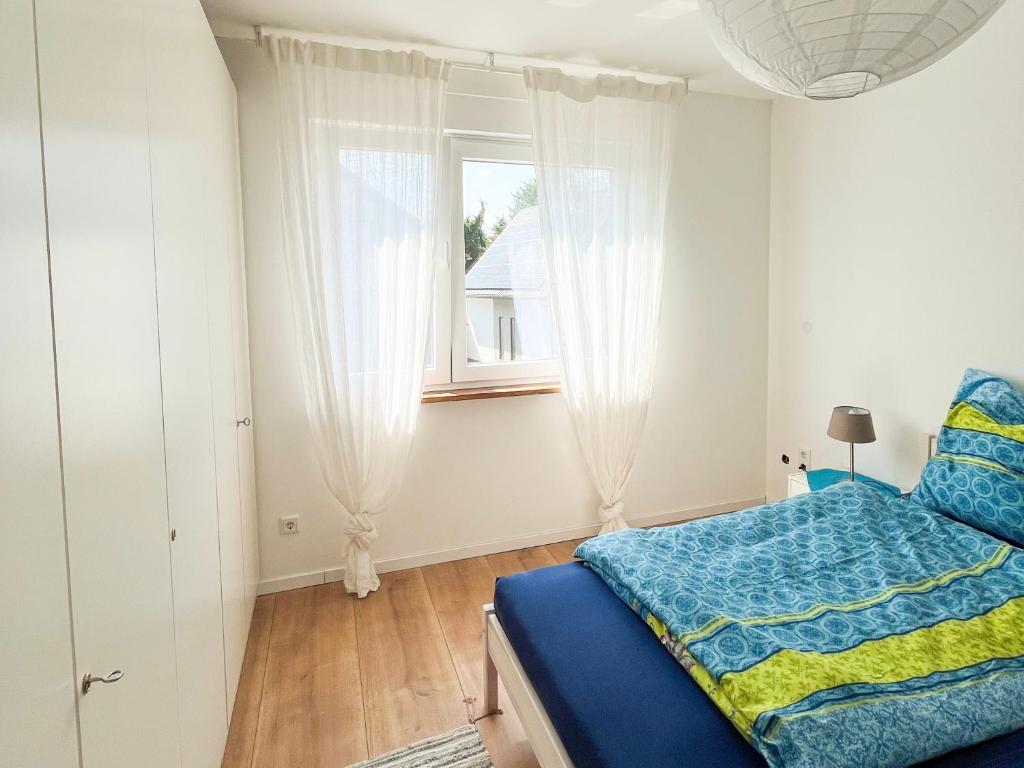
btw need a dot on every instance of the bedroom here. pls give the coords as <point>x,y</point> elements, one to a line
<point>176,463</point>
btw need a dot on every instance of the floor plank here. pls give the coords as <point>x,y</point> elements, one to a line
<point>410,686</point>
<point>285,732</point>
<point>562,551</point>
<point>311,713</point>
<point>246,715</point>
<point>338,679</point>
<point>458,590</point>
<point>505,563</point>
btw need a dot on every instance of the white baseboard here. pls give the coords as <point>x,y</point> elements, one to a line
<point>285,583</point>
<point>329,575</point>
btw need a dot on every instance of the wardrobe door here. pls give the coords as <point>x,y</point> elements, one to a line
<point>92,70</point>
<point>219,268</point>
<point>188,228</point>
<point>245,592</point>
<point>37,722</point>
<point>243,389</point>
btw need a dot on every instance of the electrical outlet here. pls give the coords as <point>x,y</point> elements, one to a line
<point>288,525</point>
<point>805,458</point>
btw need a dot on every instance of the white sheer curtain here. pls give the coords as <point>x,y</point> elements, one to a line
<point>603,151</point>
<point>360,152</point>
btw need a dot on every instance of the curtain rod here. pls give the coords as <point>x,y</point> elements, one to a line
<point>459,58</point>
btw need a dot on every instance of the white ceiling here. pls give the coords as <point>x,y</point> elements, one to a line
<point>661,36</point>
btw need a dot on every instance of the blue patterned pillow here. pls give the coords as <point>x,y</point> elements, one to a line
<point>977,473</point>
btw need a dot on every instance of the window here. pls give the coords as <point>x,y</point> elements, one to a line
<point>492,309</point>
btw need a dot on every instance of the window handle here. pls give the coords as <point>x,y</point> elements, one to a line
<point>446,256</point>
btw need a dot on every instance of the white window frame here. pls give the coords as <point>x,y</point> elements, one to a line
<point>439,376</point>
<point>450,295</point>
<point>450,370</point>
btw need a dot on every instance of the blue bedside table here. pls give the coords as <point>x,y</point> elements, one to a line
<point>816,479</point>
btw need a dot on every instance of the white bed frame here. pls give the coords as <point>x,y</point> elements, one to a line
<point>500,660</point>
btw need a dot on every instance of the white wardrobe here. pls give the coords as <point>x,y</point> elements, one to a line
<point>126,465</point>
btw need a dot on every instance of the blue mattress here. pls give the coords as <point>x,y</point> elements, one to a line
<point>618,699</point>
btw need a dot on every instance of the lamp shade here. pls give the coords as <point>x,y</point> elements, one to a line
<point>833,49</point>
<point>851,424</point>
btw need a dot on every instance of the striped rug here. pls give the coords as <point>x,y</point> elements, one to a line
<point>460,748</point>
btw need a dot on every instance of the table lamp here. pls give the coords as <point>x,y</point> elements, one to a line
<point>851,425</point>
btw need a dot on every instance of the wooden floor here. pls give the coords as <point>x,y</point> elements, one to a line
<point>329,680</point>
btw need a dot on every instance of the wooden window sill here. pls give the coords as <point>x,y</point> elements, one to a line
<point>484,393</point>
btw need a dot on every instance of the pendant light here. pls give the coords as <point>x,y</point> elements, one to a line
<point>834,49</point>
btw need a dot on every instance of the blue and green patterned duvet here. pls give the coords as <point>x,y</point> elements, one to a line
<point>839,628</point>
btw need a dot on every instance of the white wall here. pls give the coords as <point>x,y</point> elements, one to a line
<point>897,253</point>
<point>498,472</point>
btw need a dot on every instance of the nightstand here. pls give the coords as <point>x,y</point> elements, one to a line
<point>798,484</point>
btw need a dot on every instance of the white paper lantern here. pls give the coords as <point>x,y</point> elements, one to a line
<point>833,49</point>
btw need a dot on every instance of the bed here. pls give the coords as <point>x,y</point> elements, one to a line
<point>848,627</point>
<point>594,686</point>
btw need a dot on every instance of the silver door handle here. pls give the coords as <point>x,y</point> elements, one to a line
<point>88,680</point>
<point>243,422</point>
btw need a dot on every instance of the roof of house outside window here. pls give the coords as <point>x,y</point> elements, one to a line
<point>514,262</point>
